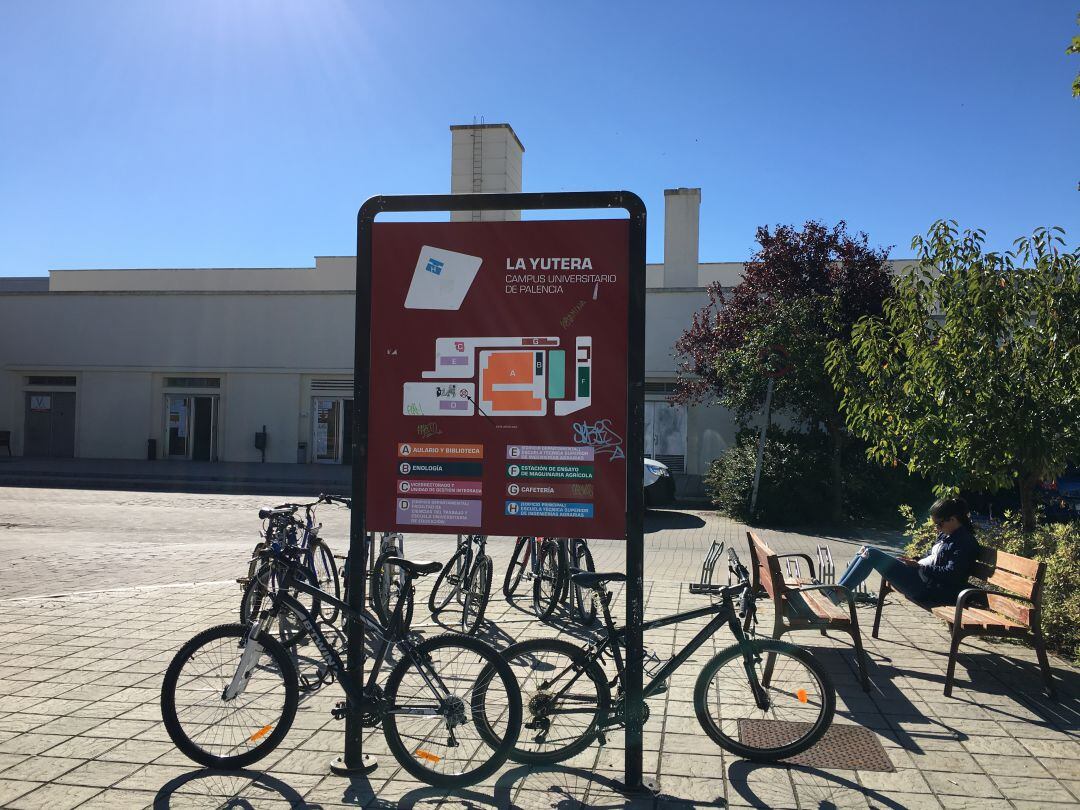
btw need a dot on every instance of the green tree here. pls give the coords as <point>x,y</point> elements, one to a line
<point>1074,48</point>
<point>971,374</point>
<point>800,289</point>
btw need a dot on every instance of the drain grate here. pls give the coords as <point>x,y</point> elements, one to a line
<point>843,746</point>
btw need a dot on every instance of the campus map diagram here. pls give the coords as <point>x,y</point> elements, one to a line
<point>503,376</point>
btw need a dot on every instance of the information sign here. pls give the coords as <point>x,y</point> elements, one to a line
<point>498,397</point>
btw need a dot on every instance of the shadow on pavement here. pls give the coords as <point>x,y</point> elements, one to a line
<point>228,790</point>
<point>658,520</point>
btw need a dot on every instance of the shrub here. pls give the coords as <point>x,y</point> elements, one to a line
<point>1056,544</point>
<point>795,483</point>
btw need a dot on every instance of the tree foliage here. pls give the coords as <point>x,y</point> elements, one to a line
<point>800,290</point>
<point>1073,49</point>
<point>971,374</point>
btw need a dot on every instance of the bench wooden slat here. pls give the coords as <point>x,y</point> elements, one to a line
<point>1011,582</point>
<point>1009,607</point>
<point>1012,563</point>
<point>821,605</point>
<point>977,617</point>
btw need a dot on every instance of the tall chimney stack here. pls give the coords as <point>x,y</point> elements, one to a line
<point>682,213</point>
<point>485,158</point>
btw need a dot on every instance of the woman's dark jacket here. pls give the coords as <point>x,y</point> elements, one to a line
<point>949,575</point>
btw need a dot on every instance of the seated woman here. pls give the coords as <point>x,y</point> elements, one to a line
<point>939,576</point>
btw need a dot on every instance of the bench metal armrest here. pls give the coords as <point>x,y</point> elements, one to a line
<point>806,557</point>
<point>962,600</point>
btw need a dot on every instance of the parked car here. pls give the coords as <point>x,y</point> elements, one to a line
<point>659,485</point>
<point>1061,498</point>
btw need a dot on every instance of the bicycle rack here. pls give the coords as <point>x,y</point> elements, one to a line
<point>708,568</point>
<point>794,570</point>
<point>826,567</point>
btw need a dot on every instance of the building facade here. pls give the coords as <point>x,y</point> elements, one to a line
<point>191,364</point>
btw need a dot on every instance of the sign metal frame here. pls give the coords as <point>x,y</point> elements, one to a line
<point>354,760</point>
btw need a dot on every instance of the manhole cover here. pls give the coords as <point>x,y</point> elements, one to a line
<point>843,746</point>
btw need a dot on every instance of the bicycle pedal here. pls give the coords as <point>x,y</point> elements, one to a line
<point>339,710</point>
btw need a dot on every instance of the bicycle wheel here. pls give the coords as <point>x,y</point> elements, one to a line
<point>584,606</point>
<point>548,583</point>
<point>565,699</point>
<point>451,579</point>
<point>436,738</point>
<point>388,586</point>
<point>289,629</point>
<point>519,561</point>
<point>321,561</point>
<point>800,700</point>
<point>477,594</point>
<point>228,733</point>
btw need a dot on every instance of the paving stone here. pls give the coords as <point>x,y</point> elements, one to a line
<point>1029,789</point>
<point>99,773</point>
<point>968,784</point>
<point>54,797</point>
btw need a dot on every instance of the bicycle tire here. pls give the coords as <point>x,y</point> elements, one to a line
<point>551,572</point>
<point>519,561</point>
<point>409,758</point>
<point>320,555</point>
<point>477,595</point>
<point>168,701</point>
<point>584,605</point>
<point>382,602</point>
<point>290,631</point>
<point>437,603</point>
<point>815,714</point>
<point>524,658</point>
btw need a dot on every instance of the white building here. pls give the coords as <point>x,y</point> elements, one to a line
<point>191,363</point>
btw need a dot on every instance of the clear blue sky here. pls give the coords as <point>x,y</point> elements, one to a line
<point>243,133</point>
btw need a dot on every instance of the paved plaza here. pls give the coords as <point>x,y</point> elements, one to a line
<point>100,588</point>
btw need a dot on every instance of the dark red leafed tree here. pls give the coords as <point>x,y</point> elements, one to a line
<point>800,290</point>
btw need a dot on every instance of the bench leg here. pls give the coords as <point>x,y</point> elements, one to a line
<point>880,604</point>
<point>951,670</point>
<point>860,653</point>
<point>1044,662</point>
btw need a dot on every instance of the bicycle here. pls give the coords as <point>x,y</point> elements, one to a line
<point>302,541</point>
<point>466,577</point>
<point>389,585</point>
<point>230,693</point>
<point>762,712</point>
<point>548,561</point>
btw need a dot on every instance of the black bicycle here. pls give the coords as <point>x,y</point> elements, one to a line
<point>548,561</point>
<point>388,583</point>
<point>760,699</point>
<point>466,579</point>
<point>230,694</point>
<point>301,543</point>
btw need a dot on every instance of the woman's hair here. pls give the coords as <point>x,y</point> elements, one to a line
<point>951,508</point>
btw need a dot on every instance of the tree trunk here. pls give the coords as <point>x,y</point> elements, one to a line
<point>1027,502</point>
<point>837,493</point>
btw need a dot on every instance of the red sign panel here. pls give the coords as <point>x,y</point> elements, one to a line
<point>498,378</point>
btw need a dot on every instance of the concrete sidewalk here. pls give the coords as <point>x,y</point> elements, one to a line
<point>80,725</point>
<point>175,476</point>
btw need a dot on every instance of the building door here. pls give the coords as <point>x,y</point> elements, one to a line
<point>191,427</point>
<point>331,437</point>
<point>49,427</point>
<point>665,434</point>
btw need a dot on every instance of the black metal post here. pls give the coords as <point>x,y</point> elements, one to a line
<point>354,759</point>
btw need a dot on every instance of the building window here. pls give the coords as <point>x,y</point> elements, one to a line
<point>192,382</point>
<point>51,381</point>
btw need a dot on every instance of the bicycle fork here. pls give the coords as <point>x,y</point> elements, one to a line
<point>249,659</point>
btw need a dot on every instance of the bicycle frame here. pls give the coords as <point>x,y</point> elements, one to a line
<point>282,599</point>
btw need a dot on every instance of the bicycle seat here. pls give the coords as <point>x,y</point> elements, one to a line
<point>590,579</point>
<point>266,514</point>
<point>416,569</point>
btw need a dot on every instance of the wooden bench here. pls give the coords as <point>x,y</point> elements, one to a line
<point>1010,607</point>
<point>800,604</point>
